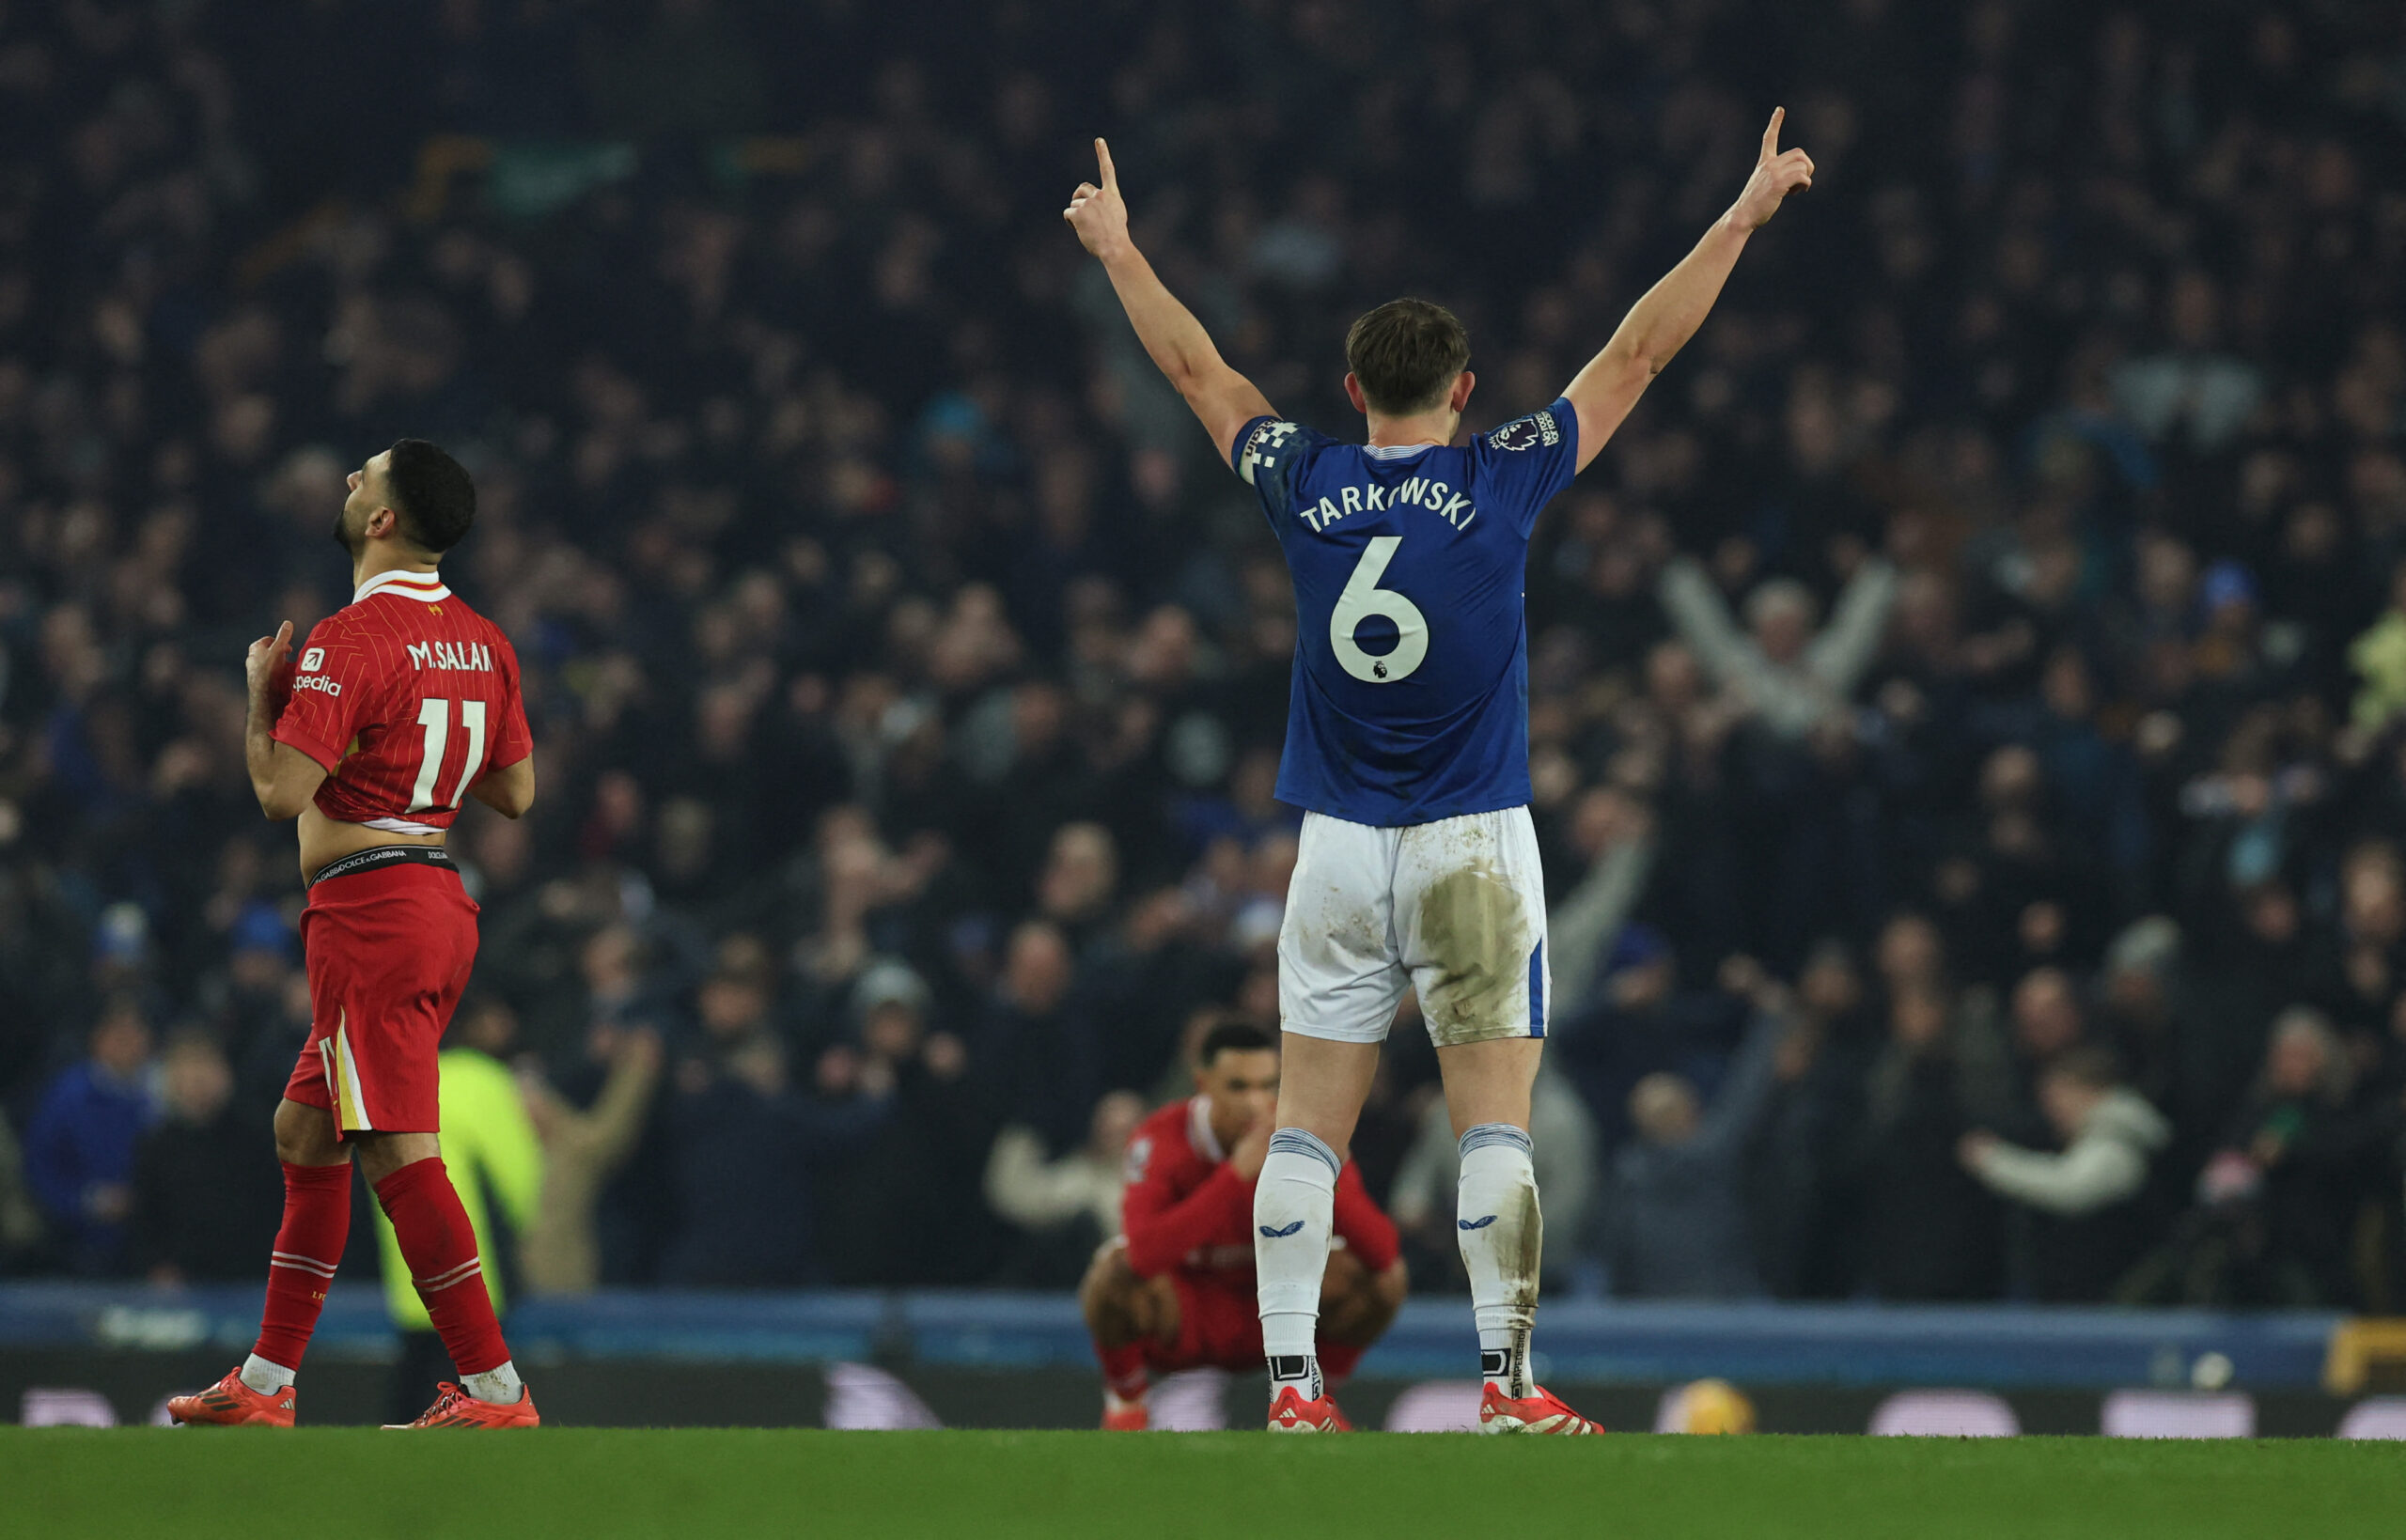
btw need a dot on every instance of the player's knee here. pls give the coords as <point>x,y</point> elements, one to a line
<point>305,1135</point>
<point>383,1154</point>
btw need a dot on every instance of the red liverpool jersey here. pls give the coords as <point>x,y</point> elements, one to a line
<point>406,695</point>
<point>1185,1209</point>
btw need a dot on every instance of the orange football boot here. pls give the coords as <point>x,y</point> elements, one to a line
<point>1543,1412</point>
<point>1121,1416</point>
<point>232,1403</point>
<point>456,1408</point>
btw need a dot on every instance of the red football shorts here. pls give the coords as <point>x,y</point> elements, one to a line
<point>1219,1327</point>
<point>389,949</point>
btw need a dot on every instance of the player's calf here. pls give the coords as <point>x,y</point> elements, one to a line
<point>440,1247</point>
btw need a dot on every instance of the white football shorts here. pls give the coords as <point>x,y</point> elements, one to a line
<point>1455,909</point>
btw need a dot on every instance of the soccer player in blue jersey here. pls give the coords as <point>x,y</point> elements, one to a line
<point>1408,748</point>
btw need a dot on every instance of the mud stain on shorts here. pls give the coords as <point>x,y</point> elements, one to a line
<point>1475,934</point>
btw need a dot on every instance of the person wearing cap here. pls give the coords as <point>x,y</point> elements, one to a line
<point>2226,648</point>
<point>905,1196</point>
<point>263,951</point>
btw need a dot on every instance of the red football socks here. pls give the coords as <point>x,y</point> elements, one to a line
<point>1123,1369</point>
<point>316,1222</point>
<point>440,1247</point>
<point>1337,1361</point>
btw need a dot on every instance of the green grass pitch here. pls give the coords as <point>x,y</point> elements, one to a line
<point>579,1484</point>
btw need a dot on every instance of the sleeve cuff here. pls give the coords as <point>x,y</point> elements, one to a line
<point>1236,446</point>
<point>327,758</point>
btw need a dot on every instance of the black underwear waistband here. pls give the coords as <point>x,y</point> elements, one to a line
<point>378,856</point>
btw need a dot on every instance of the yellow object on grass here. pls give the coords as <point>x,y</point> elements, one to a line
<point>1709,1405</point>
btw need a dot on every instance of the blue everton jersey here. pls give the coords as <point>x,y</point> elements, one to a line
<point>1411,698</point>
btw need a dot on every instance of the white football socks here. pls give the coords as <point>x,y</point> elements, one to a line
<point>1502,1234</point>
<point>500,1386</point>
<point>265,1377</point>
<point>1293,1211</point>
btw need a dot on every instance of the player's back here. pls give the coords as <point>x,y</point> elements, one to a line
<point>406,695</point>
<point>1411,681</point>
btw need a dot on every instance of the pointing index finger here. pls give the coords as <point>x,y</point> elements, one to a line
<point>1771,135</point>
<point>1103,154</point>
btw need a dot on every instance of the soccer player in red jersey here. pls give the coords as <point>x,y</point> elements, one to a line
<point>402,704</point>
<point>1176,1291</point>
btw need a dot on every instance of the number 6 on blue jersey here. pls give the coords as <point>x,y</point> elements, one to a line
<point>1363,598</point>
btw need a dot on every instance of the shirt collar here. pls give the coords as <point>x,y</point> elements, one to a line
<point>1198,1129</point>
<point>426,587</point>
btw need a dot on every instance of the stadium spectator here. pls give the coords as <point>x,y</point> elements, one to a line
<point>1801,1208</point>
<point>905,1196</point>
<point>1780,670</point>
<point>1930,1230</point>
<point>1064,1208</point>
<point>21,1226</point>
<point>2284,1195</point>
<point>860,553</point>
<point>206,1193</point>
<point>1674,1209</point>
<point>561,1250</point>
<point>2090,1202</point>
<point>1037,1054</point>
<point>80,1147</point>
<point>744,1148</point>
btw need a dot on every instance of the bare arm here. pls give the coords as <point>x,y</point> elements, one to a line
<point>1224,399</point>
<point>1844,649</point>
<point>507,789</point>
<point>1660,325</point>
<point>283,778</point>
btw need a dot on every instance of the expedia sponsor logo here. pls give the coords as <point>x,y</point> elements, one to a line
<point>318,681</point>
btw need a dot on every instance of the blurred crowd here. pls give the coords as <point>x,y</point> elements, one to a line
<point>1964,700</point>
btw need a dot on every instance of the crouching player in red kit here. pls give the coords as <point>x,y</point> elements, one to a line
<point>1176,1291</point>
<point>402,704</point>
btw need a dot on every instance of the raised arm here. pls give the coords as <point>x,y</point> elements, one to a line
<point>1224,399</point>
<point>1660,324</point>
<point>282,777</point>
